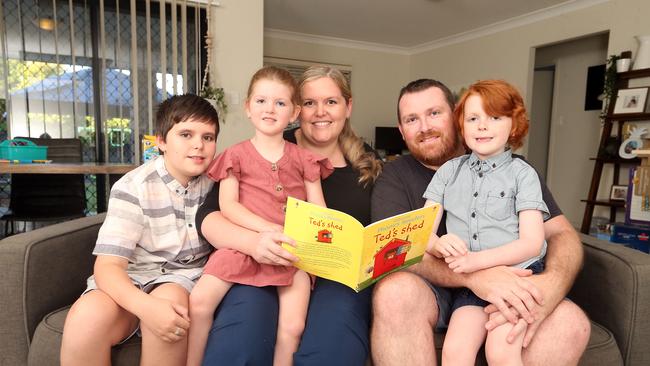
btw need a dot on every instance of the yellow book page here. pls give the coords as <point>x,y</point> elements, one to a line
<point>328,242</point>
<point>394,243</point>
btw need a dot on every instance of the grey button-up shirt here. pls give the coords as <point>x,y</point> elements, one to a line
<point>484,197</point>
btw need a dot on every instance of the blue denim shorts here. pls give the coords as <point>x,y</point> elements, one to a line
<point>443,298</point>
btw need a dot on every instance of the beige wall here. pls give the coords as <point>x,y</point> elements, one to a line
<point>376,78</point>
<point>574,132</point>
<point>238,27</point>
<point>510,55</point>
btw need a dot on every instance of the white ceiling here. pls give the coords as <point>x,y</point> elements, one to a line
<point>401,23</point>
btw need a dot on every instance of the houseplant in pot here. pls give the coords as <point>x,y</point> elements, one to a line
<point>217,98</point>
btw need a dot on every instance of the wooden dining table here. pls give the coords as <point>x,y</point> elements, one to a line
<point>66,168</point>
<point>101,170</point>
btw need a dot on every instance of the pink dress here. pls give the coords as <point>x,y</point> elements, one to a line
<point>263,188</point>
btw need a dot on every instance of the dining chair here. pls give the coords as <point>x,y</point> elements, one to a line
<point>48,197</point>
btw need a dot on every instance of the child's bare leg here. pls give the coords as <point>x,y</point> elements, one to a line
<point>94,324</point>
<point>204,299</point>
<point>155,350</point>
<point>465,336</point>
<point>499,352</point>
<point>294,302</point>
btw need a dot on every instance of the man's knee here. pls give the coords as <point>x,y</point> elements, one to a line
<point>576,322</point>
<point>561,339</point>
<point>403,293</point>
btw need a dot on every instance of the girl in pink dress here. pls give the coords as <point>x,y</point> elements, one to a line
<point>256,177</point>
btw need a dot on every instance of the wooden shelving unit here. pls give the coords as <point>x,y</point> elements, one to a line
<point>591,201</point>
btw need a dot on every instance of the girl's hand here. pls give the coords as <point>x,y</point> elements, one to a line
<point>269,249</point>
<point>450,245</point>
<point>167,320</point>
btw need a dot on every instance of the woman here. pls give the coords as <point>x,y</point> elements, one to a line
<point>338,321</point>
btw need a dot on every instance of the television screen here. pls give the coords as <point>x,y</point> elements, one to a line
<point>389,139</point>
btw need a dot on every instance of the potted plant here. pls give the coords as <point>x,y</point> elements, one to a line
<point>609,85</point>
<point>217,98</point>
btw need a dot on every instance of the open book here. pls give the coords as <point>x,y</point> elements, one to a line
<point>334,245</point>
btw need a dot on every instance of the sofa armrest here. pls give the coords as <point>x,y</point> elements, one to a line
<point>42,270</point>
<point>613,288</point>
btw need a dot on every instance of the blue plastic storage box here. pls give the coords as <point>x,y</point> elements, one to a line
<point>21,149</point>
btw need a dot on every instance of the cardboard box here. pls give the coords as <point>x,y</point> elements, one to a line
<point>633,236</point>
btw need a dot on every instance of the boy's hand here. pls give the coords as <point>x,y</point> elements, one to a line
<point>450,245</point>
<point>467,263</point>
<point>167,320</point>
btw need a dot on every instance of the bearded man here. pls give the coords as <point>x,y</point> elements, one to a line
<point>408,306</point>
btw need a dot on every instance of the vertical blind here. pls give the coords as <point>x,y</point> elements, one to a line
<point>95,70</point>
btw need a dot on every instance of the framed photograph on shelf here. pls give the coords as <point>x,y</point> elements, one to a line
<point>618,193</point>
<point>630,100</point>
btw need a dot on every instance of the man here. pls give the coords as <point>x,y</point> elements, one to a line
<point>408,305</point>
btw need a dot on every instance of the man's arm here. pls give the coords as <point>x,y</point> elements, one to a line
<point>563,262</point>
<point>564,256</point>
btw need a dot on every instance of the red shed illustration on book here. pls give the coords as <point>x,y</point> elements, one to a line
<point>391,256</point>
<point>324,236</point>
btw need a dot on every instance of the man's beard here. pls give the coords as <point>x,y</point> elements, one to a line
<point>447,147</point>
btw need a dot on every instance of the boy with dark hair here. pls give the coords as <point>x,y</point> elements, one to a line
<point>149,253</point>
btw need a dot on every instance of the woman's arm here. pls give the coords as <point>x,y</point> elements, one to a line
<point>222,233</point>
<point>265,247</point>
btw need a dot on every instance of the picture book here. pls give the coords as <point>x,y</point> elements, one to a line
<point>149,148</point>
<point>334,245</point>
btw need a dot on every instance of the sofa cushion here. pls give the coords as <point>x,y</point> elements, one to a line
<point>602,348</point>
<point>44,350</point>
<point>46,344</point>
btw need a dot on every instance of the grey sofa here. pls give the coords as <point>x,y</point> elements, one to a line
<point>45,270</point>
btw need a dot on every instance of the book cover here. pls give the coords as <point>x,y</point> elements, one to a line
<point>334,245</point>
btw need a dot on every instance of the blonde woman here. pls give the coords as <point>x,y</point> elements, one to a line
<point>338,321</point>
